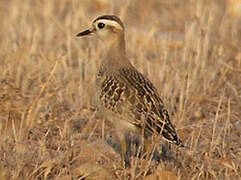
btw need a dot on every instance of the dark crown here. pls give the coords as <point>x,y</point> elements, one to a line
<point>112,18</point>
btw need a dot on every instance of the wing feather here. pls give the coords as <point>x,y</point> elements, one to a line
<point>131,95</point>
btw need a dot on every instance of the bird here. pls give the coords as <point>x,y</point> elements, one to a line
<point>126,97</point>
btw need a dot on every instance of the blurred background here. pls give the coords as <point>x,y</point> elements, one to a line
<point>190,50</point>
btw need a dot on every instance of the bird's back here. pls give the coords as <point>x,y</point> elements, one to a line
<point>129,98</point>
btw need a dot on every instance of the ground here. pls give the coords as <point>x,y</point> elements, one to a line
<point>190,50</point>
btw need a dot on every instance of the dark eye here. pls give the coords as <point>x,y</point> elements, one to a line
<point>101,25</point>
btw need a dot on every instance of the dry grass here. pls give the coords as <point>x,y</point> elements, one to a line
<point>189,49</point>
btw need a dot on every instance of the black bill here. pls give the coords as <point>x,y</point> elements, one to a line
<point>84,33</point>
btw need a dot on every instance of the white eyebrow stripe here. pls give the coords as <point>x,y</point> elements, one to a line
<point>110,22</point>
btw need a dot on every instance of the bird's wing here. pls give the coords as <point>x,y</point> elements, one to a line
<point>132,95</point>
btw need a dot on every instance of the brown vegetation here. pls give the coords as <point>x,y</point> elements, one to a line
<point>190,50</point>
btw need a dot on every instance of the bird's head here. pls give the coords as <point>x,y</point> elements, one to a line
<point>106,27</point>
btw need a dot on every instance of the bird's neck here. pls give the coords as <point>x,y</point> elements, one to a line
<point>115,53</point>
<point>115,46</point>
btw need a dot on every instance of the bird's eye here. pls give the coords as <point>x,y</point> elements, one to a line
<point>101,25</point>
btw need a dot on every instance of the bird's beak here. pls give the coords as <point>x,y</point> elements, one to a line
<point>86,32</point>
